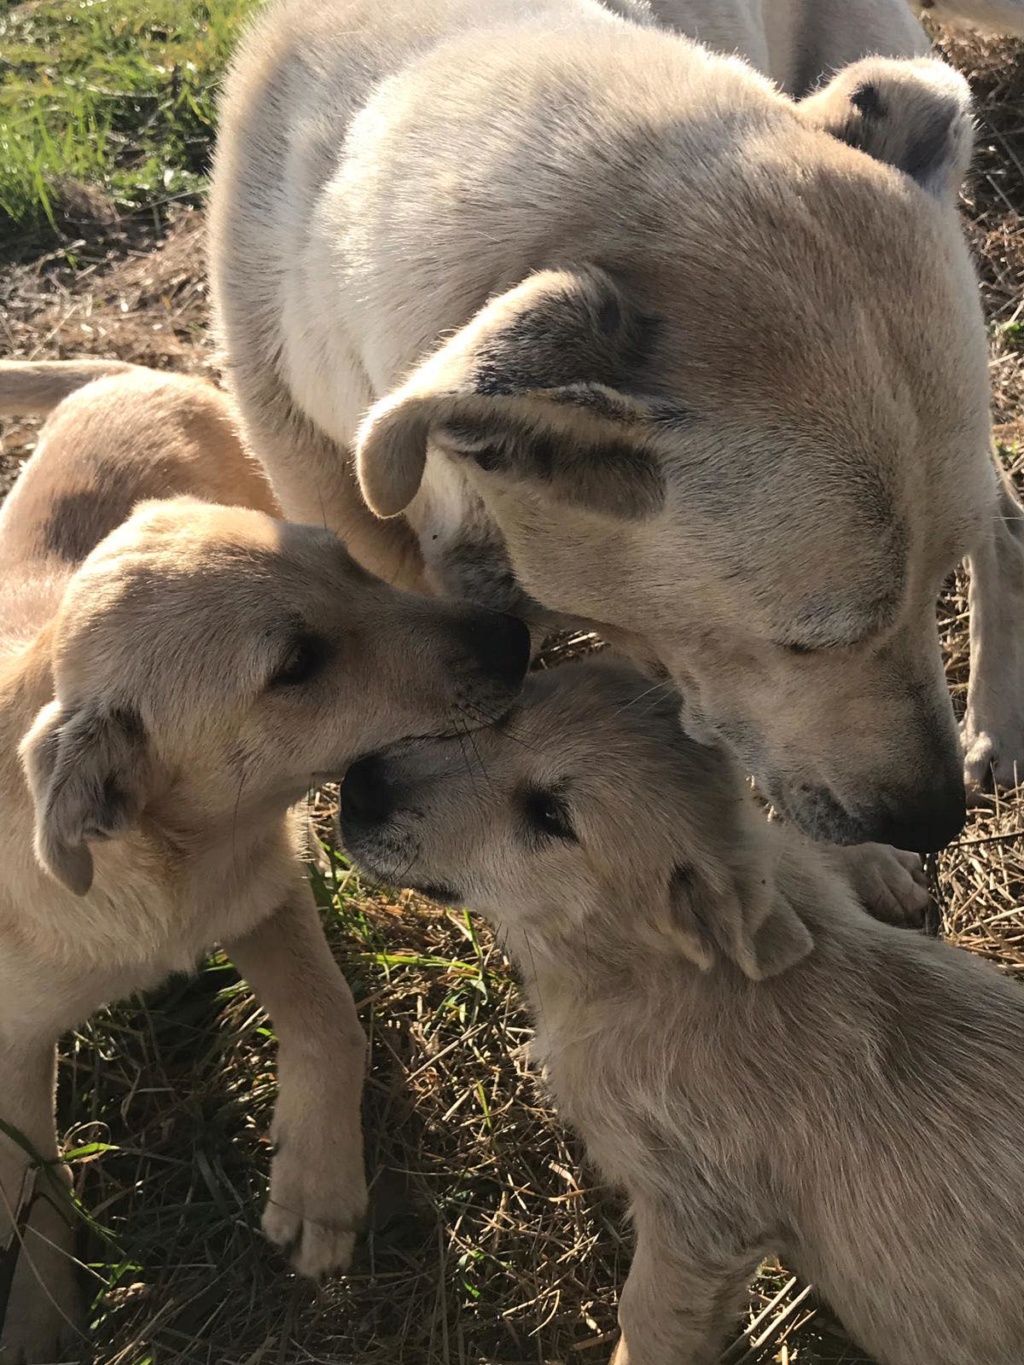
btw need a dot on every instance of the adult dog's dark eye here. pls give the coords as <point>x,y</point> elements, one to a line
<point>548,814</point>
<point>307,657</point>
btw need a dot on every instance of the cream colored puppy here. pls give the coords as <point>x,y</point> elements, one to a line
<point>173,679</point>
<point>645,339</point>
<point>759,1065</point>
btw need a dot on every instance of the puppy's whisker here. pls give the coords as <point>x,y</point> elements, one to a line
<point>476,717</point>
<point>234,817</point>
<point>462,735</point>
<point>664,688</point>
<point>476,755</point>
<point>402,872</point>
<point>508,730</point>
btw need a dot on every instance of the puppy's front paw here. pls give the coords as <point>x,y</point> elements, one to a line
<point>44,1321</point>
<point>890,883</point>
<point>317,1203</point>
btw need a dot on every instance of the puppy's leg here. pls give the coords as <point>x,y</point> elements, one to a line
<point>677,1304</point>
<point>890,883</point>
<point>993,727</point>
<point>317,1181</point>
<point>43,1319</point>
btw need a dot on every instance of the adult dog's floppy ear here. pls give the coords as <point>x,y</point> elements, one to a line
<point>914,115</point>
<point>750,924</point>
<point>540,386</point>
<point>88,773</point>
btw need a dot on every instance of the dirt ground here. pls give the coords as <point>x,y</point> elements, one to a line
<point>488,1241</point>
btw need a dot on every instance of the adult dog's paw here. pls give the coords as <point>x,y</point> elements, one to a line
<point>992,732</point>
<point>994,745</point>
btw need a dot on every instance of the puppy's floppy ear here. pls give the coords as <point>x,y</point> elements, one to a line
<point>536,388</point>
<point>89,773</point>
<point>914,115</point>
<point>750,924</point>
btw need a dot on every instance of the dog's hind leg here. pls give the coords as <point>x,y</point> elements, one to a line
<point>317,1182</point>
<point>993,727</point>
<point>677,1304</point>
<point>40,1307</point>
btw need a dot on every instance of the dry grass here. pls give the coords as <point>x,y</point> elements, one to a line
<point>489,1241</point>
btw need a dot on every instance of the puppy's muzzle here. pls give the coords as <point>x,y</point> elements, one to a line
<point>498,646</point>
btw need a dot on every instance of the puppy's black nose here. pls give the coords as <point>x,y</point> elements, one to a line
<point>500,645</point>
<point>368,796</point>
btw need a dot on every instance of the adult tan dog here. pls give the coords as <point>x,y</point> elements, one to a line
<point>759,1065</point>
<point>647,341</point>
<point>172,681</point>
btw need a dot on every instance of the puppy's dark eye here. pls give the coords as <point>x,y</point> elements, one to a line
<point>795,648</point>
<point>548,814</point>
<point>308,656</point>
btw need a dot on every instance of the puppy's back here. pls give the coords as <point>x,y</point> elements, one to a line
<point>114,441</point>
<point>118,440</point>
<point>915,1221</point>
<point>881,1082</point>
<point>862,1114</point>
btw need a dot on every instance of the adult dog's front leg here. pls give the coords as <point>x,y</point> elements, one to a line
<point>317,1182</point>
<point>40,1307</point>
<point>993,727</point>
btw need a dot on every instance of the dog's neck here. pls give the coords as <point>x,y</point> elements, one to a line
<point>572,959</point>
<point>212,843</point>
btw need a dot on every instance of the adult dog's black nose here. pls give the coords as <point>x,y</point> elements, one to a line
<point>500,645</point>
<point>929,825</point>
<point>368,796</point>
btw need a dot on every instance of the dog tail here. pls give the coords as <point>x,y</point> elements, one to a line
<point>37,386</point>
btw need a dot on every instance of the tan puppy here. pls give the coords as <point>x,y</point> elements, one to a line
<point>759,1065</point>
<point>168,690</point>
<point>644,341</point>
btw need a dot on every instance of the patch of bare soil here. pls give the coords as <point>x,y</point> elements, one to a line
<point>133,294</point>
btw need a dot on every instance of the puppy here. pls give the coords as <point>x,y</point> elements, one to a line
<point>758,1064</point>
<point>173,679</point>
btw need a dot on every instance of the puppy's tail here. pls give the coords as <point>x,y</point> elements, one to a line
<point>37,386</point>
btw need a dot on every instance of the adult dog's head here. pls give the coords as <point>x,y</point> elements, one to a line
<point>211,664</point>
<point>744,426</point>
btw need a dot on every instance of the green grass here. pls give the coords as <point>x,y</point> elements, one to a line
<point>108,97</point>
